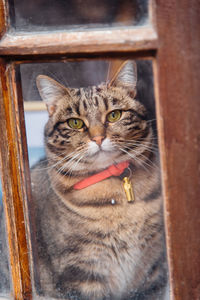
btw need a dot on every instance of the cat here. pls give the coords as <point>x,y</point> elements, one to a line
<point>93,243</point>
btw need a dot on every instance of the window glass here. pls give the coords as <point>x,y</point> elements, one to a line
<point>97,228</point>
<point>4,265</point>
<point>76,14</point>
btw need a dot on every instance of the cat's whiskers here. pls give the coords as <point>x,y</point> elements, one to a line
<point>45,159</point>
<point>133,146</point>
<point>58,162</point>
<point>146,146</point>
<point>70,155</point>
<point>137,159</point>
<point>73,167</point>
<point>128,153</point>
<point>66,164</point>
<point>54,165</point>
<point>138,142</point>
<point>49,167</point>
<point>56,157</point>
<point>64,172</point>
<point>142,142</point>
<point>140,154</point>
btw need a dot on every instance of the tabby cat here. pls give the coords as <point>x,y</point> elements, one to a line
<point>92,243</point>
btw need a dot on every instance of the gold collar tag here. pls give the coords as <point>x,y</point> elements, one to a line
<point>128,189</point>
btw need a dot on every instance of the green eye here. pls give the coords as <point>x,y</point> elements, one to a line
<point>114,116</point>
<point>75,123</point>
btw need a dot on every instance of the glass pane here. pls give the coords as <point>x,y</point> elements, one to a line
<point>98,222</point>
<point>4,266</point>
<point>77,14</point>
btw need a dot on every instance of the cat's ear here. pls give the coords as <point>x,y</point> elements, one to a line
<point>126,76</point>
<point>50,91</point>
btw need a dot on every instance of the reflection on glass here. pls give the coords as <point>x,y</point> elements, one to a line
<point>4,268</point>
<point>76,14</point>
<point>96,191</point>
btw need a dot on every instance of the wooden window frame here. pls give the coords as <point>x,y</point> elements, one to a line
<point>172,42</point>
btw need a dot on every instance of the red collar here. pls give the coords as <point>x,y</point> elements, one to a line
<point>113,170</point>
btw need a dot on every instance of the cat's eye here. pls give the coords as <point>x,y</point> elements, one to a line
<point>114,116</point>
<point>75,123</point>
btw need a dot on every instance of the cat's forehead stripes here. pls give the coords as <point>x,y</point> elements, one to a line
<point>85,105</point>
<point>69,110</point>
<point>87,100</point>
<point>95,96</point>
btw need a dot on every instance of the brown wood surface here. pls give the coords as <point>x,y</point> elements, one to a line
<point>3,17</point>
<point>178,103</point>
<point>11,159</point>
<point>115,40</point>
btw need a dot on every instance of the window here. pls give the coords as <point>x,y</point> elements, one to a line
<point>166,34</point>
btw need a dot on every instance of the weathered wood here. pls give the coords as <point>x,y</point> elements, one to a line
<point>3,17</point>
<point>178,105</point>
<point>11,159</point>
<point>115,40</point>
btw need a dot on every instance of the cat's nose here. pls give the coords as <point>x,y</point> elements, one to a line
<point>98,139</point>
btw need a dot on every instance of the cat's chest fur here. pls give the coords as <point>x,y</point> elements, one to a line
<point>104,241</point>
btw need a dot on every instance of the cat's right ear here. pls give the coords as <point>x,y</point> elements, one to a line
<point>50,91</point>
<point>124,75</point>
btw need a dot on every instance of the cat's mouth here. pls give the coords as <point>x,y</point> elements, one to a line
<point>107,147</point>
<point>101,151</point>
<point>103,155</point>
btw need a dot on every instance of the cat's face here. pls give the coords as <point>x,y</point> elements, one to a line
<point>92,128</point>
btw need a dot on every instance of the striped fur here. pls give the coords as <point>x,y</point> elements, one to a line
<point>89,248</point>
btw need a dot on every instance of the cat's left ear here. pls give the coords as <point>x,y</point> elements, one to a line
<point>50,91</point>
<point>126,77</point>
